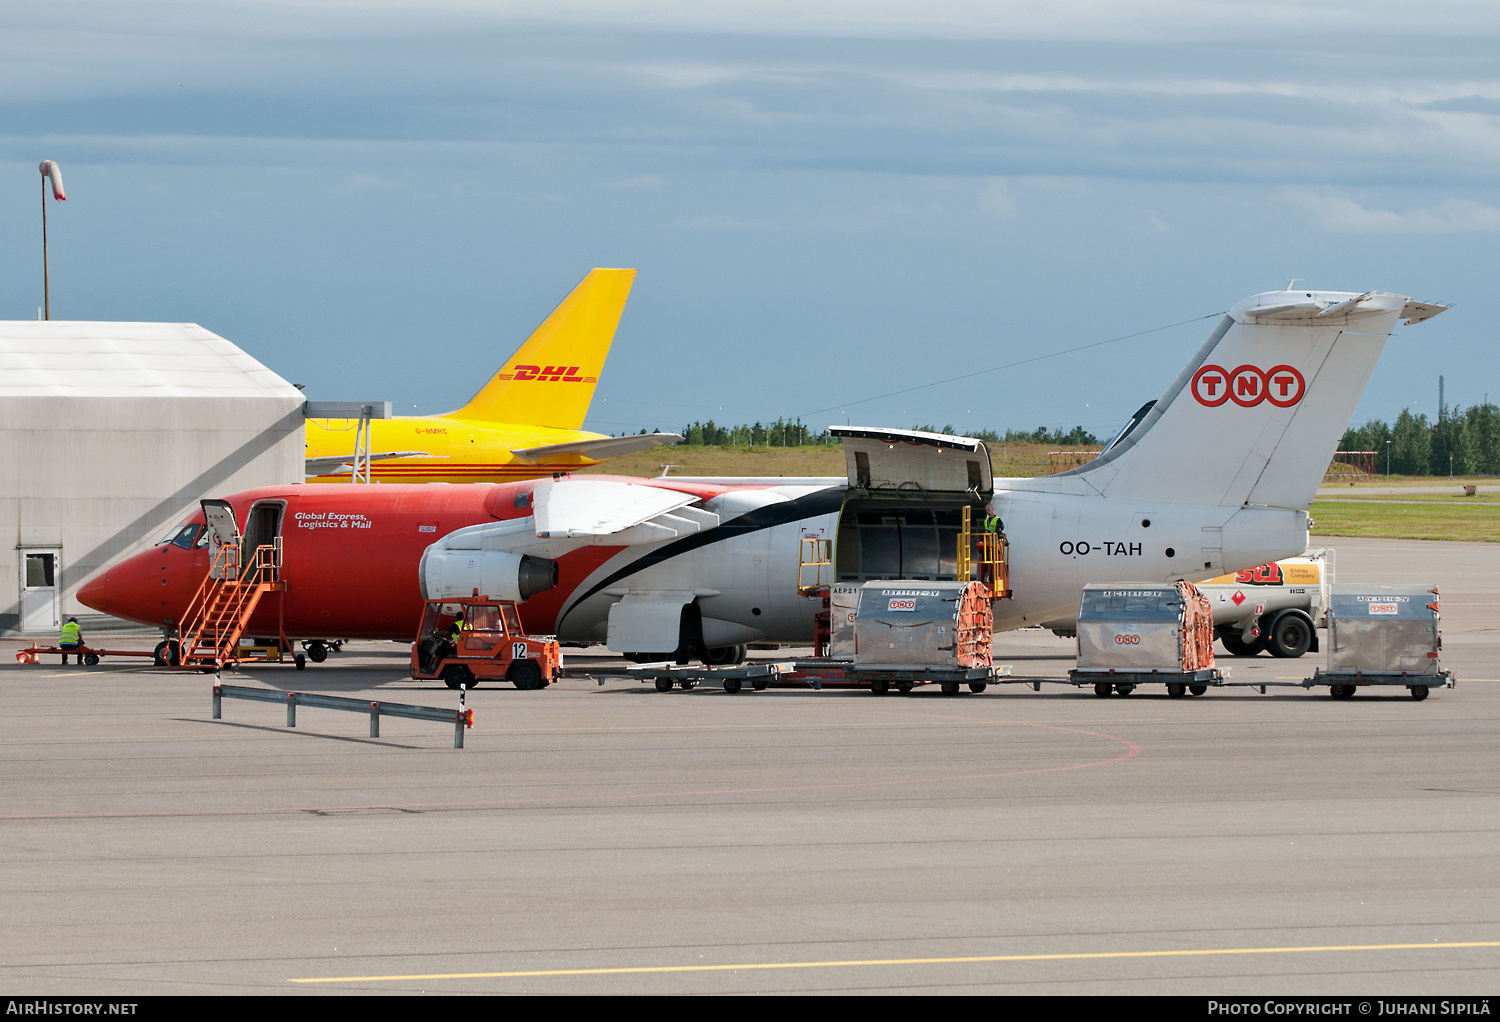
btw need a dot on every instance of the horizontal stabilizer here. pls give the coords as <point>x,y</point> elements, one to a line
<point>576,508</point>
<point>600,447</point>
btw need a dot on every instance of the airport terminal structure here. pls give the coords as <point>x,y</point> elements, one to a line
<point>114,430</point>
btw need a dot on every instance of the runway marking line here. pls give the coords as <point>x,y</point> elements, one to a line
<point>965,960</point>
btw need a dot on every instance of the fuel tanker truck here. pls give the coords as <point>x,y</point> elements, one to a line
<point>1277,607</point>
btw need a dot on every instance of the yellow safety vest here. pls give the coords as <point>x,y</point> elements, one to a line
<point>992,523</point>
<point>71,634</point>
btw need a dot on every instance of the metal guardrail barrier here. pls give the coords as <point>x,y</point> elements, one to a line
<point>460,718</point>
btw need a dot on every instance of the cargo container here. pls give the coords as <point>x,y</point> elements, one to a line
<point>1383,635</point>
<point>1145,632</point>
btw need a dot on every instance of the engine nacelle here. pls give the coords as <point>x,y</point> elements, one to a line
<point>498,574</point>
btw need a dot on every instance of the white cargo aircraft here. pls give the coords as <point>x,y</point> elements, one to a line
<point>1214,476</point>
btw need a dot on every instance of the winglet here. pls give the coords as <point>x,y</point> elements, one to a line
<point>550,379</point>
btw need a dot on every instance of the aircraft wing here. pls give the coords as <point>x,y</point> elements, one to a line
<point>330,466</point>
<point>600,447</point>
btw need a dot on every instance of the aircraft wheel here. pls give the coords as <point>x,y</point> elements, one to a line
<point>880,686</point>
<point>1103,688</point>
<point>1176,690</point>
<point>1197,690</point>
<point>1419,692</point>
<point>166,652</point>
<point>950,688</point>
<point>1290,638</point>
<point>723,656</point>
<point>1236,646</point>
<point>731,685</point>
<point>663,684</point>
<point>526,675</point>
<point>978,686</point>
<point>454,675</point>
<point>759,684</point>
<point>317,652</point>
<point>905,687</point>
<point>300,661</point>
<point>1124,690</point>
<point>91,659</point>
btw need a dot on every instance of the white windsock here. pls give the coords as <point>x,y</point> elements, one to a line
<point>54,172</point>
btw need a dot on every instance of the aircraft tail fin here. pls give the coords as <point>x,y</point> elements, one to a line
<point>1259,411</point>
<point>550,379</point>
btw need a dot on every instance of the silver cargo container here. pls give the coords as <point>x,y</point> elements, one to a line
<point>843,604</point>
<point>1383,628</point>
<point>1137,626</point>
<point>922,624</point>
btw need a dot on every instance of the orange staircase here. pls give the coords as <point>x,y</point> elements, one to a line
<point>220,611</point>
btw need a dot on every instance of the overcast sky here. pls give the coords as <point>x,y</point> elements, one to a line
<point>826,201</point>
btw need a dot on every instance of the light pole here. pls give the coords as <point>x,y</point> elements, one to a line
<point>1387,459</point>
<point>50,172</point>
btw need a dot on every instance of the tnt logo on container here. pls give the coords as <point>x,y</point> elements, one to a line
<point>902,605</point>
<point>1248,386</point>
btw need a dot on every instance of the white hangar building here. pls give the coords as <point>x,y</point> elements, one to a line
<point>109,432</point>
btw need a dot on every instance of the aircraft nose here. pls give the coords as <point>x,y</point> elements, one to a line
<point>96,593</point>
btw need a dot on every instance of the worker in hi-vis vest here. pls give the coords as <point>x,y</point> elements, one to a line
<point>992,524</point>
<point>71,639</point>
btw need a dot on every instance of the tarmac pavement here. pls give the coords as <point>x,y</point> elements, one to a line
<point>614,839</point>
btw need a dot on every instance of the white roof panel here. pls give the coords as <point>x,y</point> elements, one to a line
<point>84,359</point>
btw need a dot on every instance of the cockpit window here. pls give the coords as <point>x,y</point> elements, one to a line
<point>186,536</point>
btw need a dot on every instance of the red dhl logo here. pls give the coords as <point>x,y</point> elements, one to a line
<point>548,374</point>
<point>1261,575</point>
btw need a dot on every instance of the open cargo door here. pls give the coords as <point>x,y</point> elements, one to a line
<point>907,461</point>
<point>222,532</point>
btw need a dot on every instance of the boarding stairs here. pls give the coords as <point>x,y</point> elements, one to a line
<point>220,611</point>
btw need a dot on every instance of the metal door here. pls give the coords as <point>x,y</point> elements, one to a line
<point>222,532</point>
<point>40,593</point>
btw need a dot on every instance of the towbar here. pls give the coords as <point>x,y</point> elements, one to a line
<point>460,718</point>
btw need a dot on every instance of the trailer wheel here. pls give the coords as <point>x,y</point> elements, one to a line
<point>663,684</point>
<point>759,684</point>
<point>686,684</point>
<point>978,686</point>
<point>1341,691</point>
<point>1290,637</point>
<point>731,685</point>
<point>317,652</point>
<point>905,686</point>
<point>526,675</point>
<point>880,686</point>
<point>91,659</point>
<point>1176,690</point>
<point>454,675</point>
<point>1419,692</point>
<point>1103,688</point>
<point>1124,690</point>
<point>1198,690</point>
<point>950,688</point>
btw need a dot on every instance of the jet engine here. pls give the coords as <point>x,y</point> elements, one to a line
<point>495,573</point>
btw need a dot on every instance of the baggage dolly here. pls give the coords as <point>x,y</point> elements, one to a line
<point>1341,684</point>
<point>1179,683</point>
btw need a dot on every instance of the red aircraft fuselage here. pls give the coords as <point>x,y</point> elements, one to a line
<point>350,555</point>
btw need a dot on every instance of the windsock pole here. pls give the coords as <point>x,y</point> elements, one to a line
<point>52,173</point>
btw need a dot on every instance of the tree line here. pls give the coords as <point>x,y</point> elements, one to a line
<point>1420,447</point>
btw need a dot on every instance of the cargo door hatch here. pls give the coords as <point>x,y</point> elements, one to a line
<point>908,461</point>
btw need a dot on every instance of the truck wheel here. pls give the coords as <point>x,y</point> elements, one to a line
<point>454,675</point>
<point>1103,688</point>
<point>1235,646</point>
<point>1419,692</point>
<point>880,686</point>
<point>731,685</point>
<point>950,688</point>
<point>1198,690</point>
<point>663,684</point>
<point>1290,637</point>
<point>1176,690</point>
<point>317,652</point>
<point>526,675</point>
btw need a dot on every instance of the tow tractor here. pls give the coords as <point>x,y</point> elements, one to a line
<point>466,640</point>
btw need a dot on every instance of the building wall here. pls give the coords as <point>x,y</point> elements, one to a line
<point>101,477</point>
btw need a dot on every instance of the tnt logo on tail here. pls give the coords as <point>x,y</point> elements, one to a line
<point>1248,386</point>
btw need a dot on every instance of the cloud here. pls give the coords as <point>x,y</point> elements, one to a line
<point>995,198</point>
<point>1342,215</point>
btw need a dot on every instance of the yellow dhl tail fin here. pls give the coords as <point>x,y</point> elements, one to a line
<point>550,379</point>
